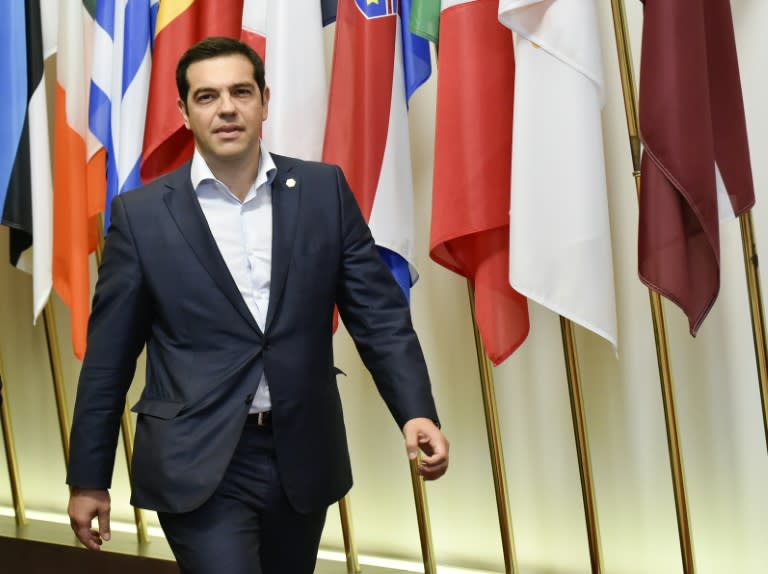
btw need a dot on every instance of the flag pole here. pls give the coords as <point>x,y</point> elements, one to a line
<point>422,516</point>
<point>350,546</point>
<point>54,357</point>
<point>127,431</point>
<point>662,348</point>
<point>494,444</point>
<point>582,445</point>
<point>10,452</point>
<point>756,310</point>
<point>126,426</point>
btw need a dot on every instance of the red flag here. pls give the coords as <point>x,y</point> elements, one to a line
<point>180,23</point>
<point>358,112</point>
<point>367,126</point>
<point>473,147</point>
<point>692,122</point>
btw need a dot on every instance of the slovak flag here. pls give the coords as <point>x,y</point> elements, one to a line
<point>367,126</point>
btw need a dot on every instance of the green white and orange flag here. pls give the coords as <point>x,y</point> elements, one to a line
<point>79,167</point>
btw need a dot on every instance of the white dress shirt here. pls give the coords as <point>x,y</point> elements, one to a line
<point>243,234</point>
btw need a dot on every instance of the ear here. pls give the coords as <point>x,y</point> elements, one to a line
<point>265,103</point>
<point>183,110</point>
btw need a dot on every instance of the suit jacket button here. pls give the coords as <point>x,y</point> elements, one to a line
<point>248,399</point>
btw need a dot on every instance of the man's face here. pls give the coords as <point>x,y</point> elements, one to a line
<point>224,109</point>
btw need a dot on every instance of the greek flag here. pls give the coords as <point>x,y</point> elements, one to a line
<point>122,59</point>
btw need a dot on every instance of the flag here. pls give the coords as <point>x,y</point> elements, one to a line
<point>79,183</point>
<point>693,128</point>
<point>295,70</point>
<point>560,236</point>
<point>180,24</point>
<point>13,66</point>
<point>122,60</point>
<point>254,25</point>
<point>25,166</point>
<point>473,146</point>
<point>417,63</point>
<point>425,19</point>
<point>367,126</point>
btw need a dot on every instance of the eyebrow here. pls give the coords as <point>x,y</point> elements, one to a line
<point>204,89</point>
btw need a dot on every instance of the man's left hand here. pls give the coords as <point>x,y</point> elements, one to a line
<point>422,433</point>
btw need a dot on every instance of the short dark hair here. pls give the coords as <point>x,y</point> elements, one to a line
<point>215,47</point>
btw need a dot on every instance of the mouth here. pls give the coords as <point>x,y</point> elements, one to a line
<point>228,131</point>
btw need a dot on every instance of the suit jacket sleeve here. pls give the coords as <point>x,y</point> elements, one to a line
<point>376,314</point>
<point>117,330</point>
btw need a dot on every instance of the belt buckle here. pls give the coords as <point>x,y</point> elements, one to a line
<point>263,418</point>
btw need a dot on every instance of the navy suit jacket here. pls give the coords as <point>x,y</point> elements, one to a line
<point>163,283</point>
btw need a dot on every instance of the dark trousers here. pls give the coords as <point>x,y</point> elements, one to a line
<point>247,526</point>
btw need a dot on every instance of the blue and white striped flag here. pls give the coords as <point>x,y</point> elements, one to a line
<point>122,60</point>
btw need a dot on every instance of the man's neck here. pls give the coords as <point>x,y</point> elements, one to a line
<point>238,174</point>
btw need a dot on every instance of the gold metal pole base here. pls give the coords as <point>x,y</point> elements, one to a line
<point>494,444</point>
<point>126,428</point>
<point>422,516</point>
<point>350,546</point>
<point>58,378</point>
<point>657,311</point>
<point>756,311</point>
<point>582,445</point>
<point>10,453</point>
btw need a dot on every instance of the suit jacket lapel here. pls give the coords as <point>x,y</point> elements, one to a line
<point>185,210</point>
<point>286,192</point>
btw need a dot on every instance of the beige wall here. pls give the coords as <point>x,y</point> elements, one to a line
<point>716,392</point>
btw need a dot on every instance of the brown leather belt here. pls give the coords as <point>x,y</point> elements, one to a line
<point>262,419</point>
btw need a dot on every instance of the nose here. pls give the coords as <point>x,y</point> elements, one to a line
<point>226,104</point>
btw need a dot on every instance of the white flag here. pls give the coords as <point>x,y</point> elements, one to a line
<point>560,243</point>
<point>295,70</point>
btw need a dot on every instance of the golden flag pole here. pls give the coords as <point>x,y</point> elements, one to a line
<point>582,445</point>
<point>657,311</point>
<point>422,516</point>
<point>58,379</point>
<point>493,431</point>
<point>494,444</point>
<point>755,310</point>
<point>350,546</point>
<point>126,426</point>
<point>10,451</point>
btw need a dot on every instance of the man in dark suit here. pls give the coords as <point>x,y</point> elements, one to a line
<point>228,270</point>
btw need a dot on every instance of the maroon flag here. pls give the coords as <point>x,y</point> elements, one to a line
<point>692,124</point>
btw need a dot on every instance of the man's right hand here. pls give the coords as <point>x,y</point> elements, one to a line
<point>84,505</point>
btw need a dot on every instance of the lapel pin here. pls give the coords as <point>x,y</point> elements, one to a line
<point>290,182</point>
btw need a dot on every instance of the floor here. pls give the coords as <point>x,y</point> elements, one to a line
<point>40,546</point>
